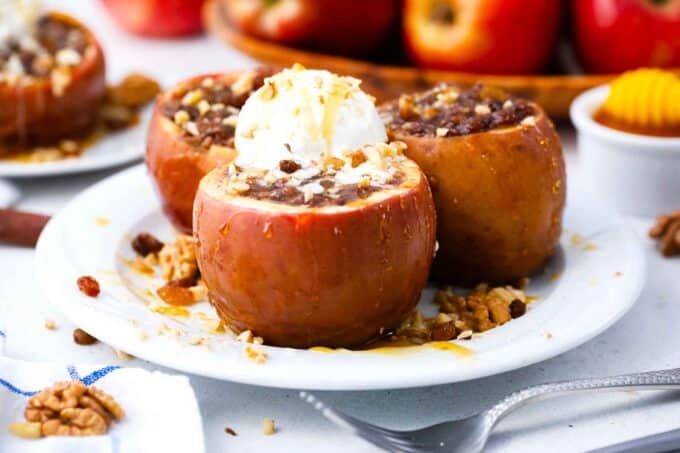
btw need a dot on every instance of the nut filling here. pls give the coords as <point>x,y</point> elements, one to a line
<point>450,110</point>
<point>50,52</point>
<point>335,182</point>
<point>206,113</point>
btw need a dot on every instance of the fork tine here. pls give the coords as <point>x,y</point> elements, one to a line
<point>382,437</point>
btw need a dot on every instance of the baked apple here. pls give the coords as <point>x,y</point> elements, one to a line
<point>482,36</point>
<point>348,26</point>
<point>191,133</point>
<point>497,174</point>
<point>314,236</point>
<point>52,78</point>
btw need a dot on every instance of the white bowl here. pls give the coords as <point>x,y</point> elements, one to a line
<point>637,174</point>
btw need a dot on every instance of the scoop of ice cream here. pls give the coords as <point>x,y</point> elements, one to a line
<point>305,115</point>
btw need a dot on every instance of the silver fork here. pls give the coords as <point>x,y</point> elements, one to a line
<point>471,434</point>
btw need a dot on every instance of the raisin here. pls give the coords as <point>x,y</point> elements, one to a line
<point>444,332</point>
<point>185,282</point>
<point>176,295</point>
<point>83,338</point>
<point>289,166</point>
<point>145,244</point>
<point>230,431</point>
<point>517,308</point>
<point>88,286</point>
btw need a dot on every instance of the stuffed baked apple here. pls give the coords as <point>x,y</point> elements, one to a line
<point>497,174</point>
<point>191,133</point>
<point>52,75</point>
<point>320,232</point>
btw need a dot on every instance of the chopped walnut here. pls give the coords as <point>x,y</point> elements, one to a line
<point>244,84</point>
<point>407,107</point>
<point>255,354</point>
<point>462,316</point>
<point>27,430</point>
<point>69,409</point>
<point>178,258</point>
<point>268,427</point>
<point>135,90</point>
<point>667,231</point>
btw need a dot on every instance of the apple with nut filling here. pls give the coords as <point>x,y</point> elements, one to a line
<point>495,165</point>
<point>52,78</point>
<point>191,133</point>
<point>320,232</point>
<point>337,267</point>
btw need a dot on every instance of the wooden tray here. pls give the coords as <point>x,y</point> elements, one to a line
<point>553,92</point>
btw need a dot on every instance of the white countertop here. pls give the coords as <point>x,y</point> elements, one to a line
<point>645,339</point>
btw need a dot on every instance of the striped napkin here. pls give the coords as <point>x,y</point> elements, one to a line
<point>162,414</point>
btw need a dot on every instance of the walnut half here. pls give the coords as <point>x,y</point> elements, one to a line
<point>70,408</point>
<point>667,231</point>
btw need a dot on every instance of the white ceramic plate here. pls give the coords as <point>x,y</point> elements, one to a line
<point>115,149</point>
<point>592,281</point>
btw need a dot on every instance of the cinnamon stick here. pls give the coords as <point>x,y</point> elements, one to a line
<point>21,228</point>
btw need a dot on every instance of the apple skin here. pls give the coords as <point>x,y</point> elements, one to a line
<point>486,36</point>
<point>46,117</point>
<point>499,196</point>
<point>157,17</point>
<point>303,277</point>
<point>612,36</point>
<point>350,27</point>
<point>176,167</point>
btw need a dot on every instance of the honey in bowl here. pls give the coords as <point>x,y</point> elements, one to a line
<point>645,102</point>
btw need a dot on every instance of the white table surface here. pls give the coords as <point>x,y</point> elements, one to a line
<point>645,339</point>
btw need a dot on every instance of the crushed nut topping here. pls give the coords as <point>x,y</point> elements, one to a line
<point>450,110</point>
<point>206,112</point>
<point>667,231</point>
<point>335,181</point>
<point>462,316</point>
<point>178,259</point>
<point>257,355</point>
<point>53,50</point>
<point>68,409</point>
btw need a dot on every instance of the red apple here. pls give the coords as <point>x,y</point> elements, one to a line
<point>347,26</point>
<point>616,35</point>
<point>484,36</point>
<point>157,17</point>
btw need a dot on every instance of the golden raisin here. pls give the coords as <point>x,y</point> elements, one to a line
<point>175,295</point>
